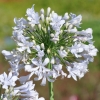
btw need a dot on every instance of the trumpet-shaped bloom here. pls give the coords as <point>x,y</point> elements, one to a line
<point>27,91</point>
<point>20,24</point>
<point>56,21</point>
<point>33,16</point>
<point>9,80</point>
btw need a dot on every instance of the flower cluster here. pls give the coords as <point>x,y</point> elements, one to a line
<point>12,92</point>
<point>47,42</point>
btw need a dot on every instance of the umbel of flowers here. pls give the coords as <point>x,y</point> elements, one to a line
<point>46,42</point>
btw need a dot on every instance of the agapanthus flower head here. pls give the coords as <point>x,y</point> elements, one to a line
<point>47,42</point>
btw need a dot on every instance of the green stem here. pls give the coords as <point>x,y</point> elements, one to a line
<point>0,91</point>
<point>51,93</point>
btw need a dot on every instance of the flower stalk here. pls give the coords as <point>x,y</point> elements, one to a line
<point>0,91</point>
<point>51,92</point>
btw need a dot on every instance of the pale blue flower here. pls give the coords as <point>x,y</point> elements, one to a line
<point>9,80</point>
<point>32,16</point>
<point>20,24</point>
<point>56,22</point>
<point>25,45</point>
<point>77,70</point>
<point>76,20</point>
<point>27,91</point>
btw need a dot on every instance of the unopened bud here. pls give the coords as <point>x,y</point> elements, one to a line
<point>39,25</point>
<point>48,11</point>
<point>47,20</point>
<point>52,35</point>
<point>11,89</point>
<point>42,11</point>
<point>42,46</point>
<point>42,17</point>
<point>48,29</point>
<point>48,51</point>
<point>32,25</point>
<point>67,25</point>
<point>61,48</point>
<point>70,26</point>
<point>53,12</point>
<point>44,29</point>
<point>66,16</point>
<point>7,91</point>
<point>28,63</point>
<point>34,41</point>
<point>32,37</point>
<point>52,60</point>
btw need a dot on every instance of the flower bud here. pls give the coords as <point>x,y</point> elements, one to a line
<point>42,17</point>
<point>39,25</point>
<point>70,26</point>
<point>27,62</point>
<point>47,20</point>
<point>52,35</point>
<point>42,11</point>
<point>67,25</point>
<point>32,37</point>
<point>52,60</point>
<point>44,29</point>
<point>7,91</point>
<point>34,41</point>
<point>66,16</point>
<point>11,89</point>
<point>48,11</point>
<point>42,46</point>
<point>53,12</point>
<point>32,25</point>
<point>48,50</point>
<point>61,48</point>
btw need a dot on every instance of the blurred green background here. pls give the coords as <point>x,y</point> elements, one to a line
<point>88,88</point>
